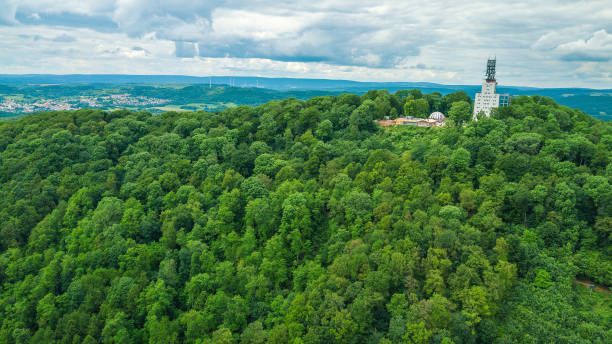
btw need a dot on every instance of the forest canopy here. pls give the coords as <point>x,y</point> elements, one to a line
<point>305,222</point>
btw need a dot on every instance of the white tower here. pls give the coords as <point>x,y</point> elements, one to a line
<point>487,99</point>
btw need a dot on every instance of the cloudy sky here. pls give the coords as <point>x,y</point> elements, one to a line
<point>548,43</point>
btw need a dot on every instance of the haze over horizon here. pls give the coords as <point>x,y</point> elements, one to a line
<point>548,44</point>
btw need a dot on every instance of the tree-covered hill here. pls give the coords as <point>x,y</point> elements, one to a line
<point>304,222</point>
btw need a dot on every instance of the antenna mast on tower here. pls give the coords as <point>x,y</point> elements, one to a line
<point>491,70</point>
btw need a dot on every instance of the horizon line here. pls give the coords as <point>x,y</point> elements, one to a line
<point>281,78</point>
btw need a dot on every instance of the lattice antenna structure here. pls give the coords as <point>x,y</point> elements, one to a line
<point>491,70</point>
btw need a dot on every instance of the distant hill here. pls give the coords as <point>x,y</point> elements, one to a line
<point>597,103</point>
<point>238,81</point>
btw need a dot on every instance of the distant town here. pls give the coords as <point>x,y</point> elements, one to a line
<point>12,105</point>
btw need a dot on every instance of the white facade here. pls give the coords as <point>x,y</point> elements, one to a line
<point>486,99</point>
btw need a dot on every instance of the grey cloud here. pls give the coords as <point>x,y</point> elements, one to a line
<point>363,41</point>
<point>64,38</point>
<point>32,37</point>
<point>96,22</point>
<point>7,14</point>
<point>581,56</point>
<point>184,49</point>
<point>138,17</point>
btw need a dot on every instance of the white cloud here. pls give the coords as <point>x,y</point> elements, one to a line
<point>596,48</point>
<point>232,23</point>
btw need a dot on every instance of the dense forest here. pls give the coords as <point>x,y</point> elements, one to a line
<point>305,222</point>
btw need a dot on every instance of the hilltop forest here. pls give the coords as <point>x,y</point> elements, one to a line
<point>305,222</point>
